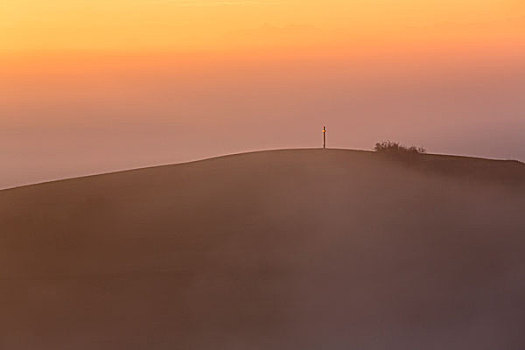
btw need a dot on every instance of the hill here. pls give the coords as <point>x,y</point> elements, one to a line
<point>292,249</point>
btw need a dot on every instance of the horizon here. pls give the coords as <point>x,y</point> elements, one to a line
<point>116,171</point>
<point>98,86</point>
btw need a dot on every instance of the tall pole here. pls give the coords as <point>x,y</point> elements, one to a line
<point>324,137</point>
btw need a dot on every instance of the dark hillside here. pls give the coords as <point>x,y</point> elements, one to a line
<point>298,249</point>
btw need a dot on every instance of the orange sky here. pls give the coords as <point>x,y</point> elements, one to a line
<point>84,81</point>
<point>224,25</point>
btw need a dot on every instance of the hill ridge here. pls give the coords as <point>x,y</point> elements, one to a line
<point>248,153</point>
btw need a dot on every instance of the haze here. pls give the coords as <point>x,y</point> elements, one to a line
<point>93,86</point>
<point>290,249</point>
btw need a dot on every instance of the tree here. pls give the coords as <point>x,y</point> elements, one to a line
<point>390,147</point>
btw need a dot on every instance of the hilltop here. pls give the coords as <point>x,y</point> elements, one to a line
<point>289,249</point>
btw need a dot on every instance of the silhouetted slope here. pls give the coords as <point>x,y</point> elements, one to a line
<point>299,249</point>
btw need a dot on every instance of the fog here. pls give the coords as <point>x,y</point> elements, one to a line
<point>303,249</point>
<point>73,116</point>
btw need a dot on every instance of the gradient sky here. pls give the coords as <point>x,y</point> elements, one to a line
<point>89,86</point>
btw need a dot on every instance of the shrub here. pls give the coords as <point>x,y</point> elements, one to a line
<point>390,147</point>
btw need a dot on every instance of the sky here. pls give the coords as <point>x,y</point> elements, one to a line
<point>91,86</point>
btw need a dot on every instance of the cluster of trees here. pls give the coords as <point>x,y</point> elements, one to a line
<point>389,147</point>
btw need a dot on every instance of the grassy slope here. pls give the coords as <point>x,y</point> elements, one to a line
<point>298,249</point>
